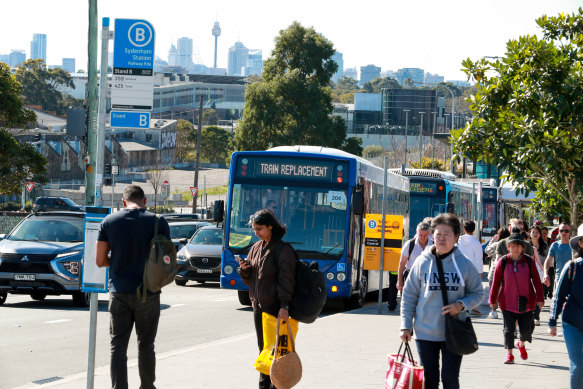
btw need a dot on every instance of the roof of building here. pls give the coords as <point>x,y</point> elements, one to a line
<point>46,120</point>
<point>206,78</point>
<point>130,146</point>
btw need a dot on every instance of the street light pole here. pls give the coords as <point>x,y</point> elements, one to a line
<point>421,139</point>
<point>433,141</point>
<point>406,133</point>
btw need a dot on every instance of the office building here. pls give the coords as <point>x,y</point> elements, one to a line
<point>254,63</point>
<point>68,65</point>
<point>238,56</point>
<point>351,73</point>
<point>38,47</point>
<point>184,53</point>
<point>172,56</point>
<point>368,73</point>
<point>17,57</point>
<point>338,58</point>
<point>416,75</point>
<point>5,58</point>
<point>433,79</point>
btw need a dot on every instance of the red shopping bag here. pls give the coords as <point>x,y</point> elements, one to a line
<point>404,372</point>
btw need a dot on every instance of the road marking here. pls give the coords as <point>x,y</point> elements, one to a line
<point>176,305</point>
<point>57,321</point>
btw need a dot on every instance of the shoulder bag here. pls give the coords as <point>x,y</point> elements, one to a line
<point>286,370</point>
<point>460,337</point>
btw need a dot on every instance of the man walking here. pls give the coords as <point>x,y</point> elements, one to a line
<point>559,255</point>
<point>472,250</point>
<point>501,249</point>
<point>127,234</point>
<point>410,251</point>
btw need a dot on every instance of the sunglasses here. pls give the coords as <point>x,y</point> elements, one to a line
<point>564,230</point>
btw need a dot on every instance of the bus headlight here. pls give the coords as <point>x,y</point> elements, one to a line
<point>330,276</point>
<point>228,269</point>
<point>341,276</point>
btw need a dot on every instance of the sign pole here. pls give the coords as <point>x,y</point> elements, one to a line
<point>384,211</point>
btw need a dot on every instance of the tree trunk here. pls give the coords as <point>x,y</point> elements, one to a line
<point>574,221</point>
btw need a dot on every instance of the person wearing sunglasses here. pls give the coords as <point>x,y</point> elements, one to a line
<point>559,255</point>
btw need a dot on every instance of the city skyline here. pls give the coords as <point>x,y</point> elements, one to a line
<point>394,36</point>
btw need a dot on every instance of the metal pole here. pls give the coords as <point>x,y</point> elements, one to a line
<point>384,210</point>
<point>421,139</point>
<point>205,196</point>
<point>406,133</point>
<point>198,136</point>
<point>433,140</point>
<point>99,160</point>
<point>452,120</point>
<point>93,101</point>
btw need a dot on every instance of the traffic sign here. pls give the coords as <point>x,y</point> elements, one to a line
<point>194,191</point>
<point>130,119</point>
<point>115,170</point>
<point>29,186</point>
<point>133,65</point>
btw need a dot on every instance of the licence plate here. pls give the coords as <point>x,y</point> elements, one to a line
<point>24,277</point>
<point>204,270</point>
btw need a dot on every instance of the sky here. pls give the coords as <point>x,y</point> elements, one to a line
<point>429,34</point>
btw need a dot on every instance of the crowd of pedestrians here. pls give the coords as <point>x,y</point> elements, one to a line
<point>525,264</point>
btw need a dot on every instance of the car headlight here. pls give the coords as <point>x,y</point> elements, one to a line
<point>72,267</point>
<point>228,269</point>
<point>181,258</point>
<point>63,255</point>
<point>330,276</point>
<point>341,276</point>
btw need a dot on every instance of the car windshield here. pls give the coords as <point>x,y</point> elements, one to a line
<point>49,230</point>
<point>182,231</point>
<point>208,236</point>
<point>315,218</point>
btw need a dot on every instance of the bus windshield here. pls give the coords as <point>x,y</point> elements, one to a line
<point>315,218</point>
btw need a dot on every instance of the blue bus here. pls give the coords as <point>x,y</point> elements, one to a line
<point>489,215</point>
<point>322,196</point>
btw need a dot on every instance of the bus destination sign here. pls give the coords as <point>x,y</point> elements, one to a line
<point>294,169</point>
<point>424,187</point>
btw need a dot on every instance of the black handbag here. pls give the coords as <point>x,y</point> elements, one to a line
<point>460,337</point>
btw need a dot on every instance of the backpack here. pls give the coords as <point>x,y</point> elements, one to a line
<point>161,266</point>
<point>411,247</point>
<point>309,294</point>
<point>507,256</point>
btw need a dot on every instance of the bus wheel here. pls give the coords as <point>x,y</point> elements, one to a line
<point>357,299</point>
<point>244,297</point>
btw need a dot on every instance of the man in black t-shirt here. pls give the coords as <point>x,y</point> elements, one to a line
<point>126,235</point>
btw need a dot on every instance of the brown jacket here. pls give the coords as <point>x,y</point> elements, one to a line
<point>270,282</point>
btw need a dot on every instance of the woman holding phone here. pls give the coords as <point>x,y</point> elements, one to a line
<point>271,280</point>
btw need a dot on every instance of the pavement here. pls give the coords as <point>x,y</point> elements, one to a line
<point>346,350</point>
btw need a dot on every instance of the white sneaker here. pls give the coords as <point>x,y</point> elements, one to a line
<point>493,315</point>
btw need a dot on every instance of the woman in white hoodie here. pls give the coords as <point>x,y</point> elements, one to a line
<point>422,307</point>
<point>472,250</point>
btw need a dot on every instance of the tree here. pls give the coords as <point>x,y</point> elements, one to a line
<point>352,145</point>
<point>40,85</point>
<point>292,104</point>
<point>343,91</point>
<point>185,140</point>
<point>210,117</point>
<point>373,151</point>
<point>427,163</point>
<point>380,83</point>
<point>528,109</point>
<point>215,144</point>
<point>18,161</point>
<point>156,177</point>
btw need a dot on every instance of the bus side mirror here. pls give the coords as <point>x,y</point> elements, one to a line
<point>218,211</point>
<point>450,208</point>
<point>358,203</point>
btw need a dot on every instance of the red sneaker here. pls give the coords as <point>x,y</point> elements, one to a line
<point>509,359</point>
<point>523,353</point>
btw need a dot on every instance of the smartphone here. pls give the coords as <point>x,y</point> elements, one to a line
<point>240,260</point>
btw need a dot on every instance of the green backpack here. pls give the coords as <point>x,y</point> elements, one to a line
<point>161,266</point>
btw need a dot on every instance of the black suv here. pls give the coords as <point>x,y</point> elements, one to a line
<point>43,204</point>
<point>42,256</point>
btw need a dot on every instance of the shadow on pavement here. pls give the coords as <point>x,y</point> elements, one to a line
<point>59,303</point>
<point>546,366</point>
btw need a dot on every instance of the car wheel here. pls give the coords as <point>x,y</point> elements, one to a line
<point>3,296</point>
<point>244,297</point>
<point>38,296</point>
<point>81,299</point>
<point>180,282</point>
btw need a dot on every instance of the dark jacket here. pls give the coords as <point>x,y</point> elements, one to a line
<point>271,280</point>
<point>569,297</point>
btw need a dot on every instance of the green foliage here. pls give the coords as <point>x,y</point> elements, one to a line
<point>12,111</point>
<point>161,209</point>
<point>215,144</point>
<point>210,117</point>
<point>346,84</point>
<point>380,83</point>
<point>40,85</point>
<point>292,104</point>
<point>343,91</point>
<point>427,163</point>
<point>528,108</point>
<point>185,139</point>
<point>373,151</point>
<point>352,145</point>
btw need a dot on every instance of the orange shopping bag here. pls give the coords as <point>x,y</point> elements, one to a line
<point>404,372</point>
<point>265,358</point>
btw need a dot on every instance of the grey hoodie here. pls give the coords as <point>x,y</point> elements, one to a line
<point>421,303</point>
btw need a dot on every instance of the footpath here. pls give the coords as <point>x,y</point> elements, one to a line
<point>348,350</point>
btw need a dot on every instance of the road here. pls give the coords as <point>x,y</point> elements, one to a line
<point>45,339</point>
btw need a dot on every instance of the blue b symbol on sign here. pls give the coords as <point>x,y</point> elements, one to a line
<point>372,224</point>
<point>140,34</point>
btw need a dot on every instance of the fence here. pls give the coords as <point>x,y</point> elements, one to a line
<point>8,220</point>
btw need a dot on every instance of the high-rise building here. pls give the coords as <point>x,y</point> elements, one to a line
<point>216,34</point>
<point>68,65</point>
<point>351,73</point>
<point>17,57</point>
<point>254,63</point>
<point>369,73</point>
<point>5,58</point>
<point>38,47</point>
<point>337,57</point>
<point>432,79</point>
<point>172,56</point>
<point>184,53</point>
<point>238,56</point>
<point>415,74</point>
